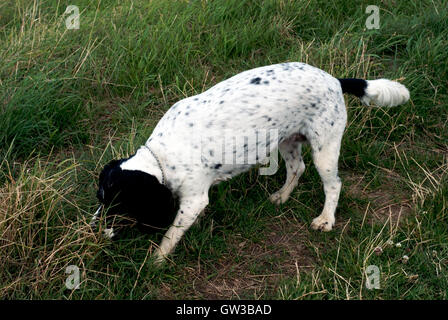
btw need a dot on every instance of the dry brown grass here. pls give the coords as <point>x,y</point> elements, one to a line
<point>39,227</point>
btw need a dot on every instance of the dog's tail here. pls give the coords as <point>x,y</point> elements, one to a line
<point>381,92</point>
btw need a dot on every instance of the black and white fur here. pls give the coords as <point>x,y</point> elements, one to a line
<point>301,102</point>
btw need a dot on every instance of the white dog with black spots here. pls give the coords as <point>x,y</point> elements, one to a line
<point>194,145</point>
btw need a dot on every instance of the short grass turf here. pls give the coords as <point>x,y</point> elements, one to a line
<point>71,100</point>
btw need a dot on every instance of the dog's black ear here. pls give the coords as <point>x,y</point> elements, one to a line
<point>151,203</point>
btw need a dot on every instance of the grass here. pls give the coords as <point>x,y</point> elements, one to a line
<point>73,99</point>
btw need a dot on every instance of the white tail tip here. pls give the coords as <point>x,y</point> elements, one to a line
<point>384,92</point>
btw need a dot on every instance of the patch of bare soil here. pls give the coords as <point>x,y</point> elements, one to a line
<point>389,201</point>
<point>253,270</point>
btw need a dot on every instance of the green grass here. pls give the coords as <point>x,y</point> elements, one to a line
<point>73,99</point>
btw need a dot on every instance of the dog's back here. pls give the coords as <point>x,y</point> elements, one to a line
<point>261,107</point>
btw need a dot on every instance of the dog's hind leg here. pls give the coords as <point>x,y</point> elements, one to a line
<point>189,209</point>
<point>291,152</point>
<point>325,159</point>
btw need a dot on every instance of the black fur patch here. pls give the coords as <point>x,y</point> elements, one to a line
<point>138,195</point>
<point>353,86</point>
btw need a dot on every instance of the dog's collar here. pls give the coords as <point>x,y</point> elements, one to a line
<point>158,163</point>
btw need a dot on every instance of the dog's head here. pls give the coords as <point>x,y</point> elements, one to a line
<point>136,194</point>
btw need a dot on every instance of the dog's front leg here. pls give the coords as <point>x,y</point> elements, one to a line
<point>189,209</point>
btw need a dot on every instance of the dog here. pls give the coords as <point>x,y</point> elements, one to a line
<point>166,182</point>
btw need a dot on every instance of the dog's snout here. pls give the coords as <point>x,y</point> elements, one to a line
<point>95,216</point>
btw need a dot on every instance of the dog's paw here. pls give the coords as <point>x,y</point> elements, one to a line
<point>159,259</point>
<point>278,198</point>
<point>322,223</point>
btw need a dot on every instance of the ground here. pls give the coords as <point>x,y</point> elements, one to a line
<point>73,99</point>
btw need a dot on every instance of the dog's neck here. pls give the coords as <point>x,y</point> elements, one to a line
<point>145,161</point>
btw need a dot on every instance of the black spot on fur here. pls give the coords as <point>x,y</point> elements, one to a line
<point>255,80</point>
